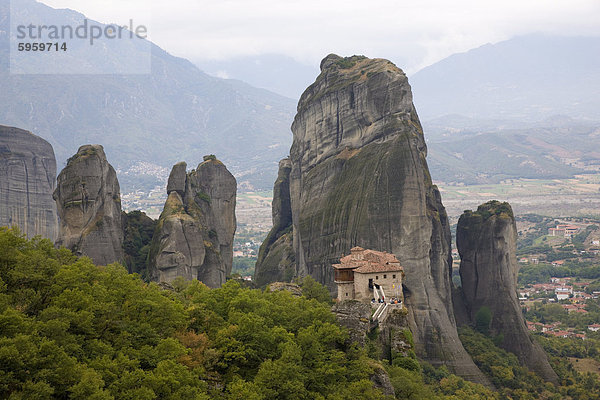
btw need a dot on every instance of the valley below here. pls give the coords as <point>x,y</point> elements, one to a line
<point>577,196</point>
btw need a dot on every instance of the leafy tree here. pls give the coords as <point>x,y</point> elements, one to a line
<point>483,318</point>
<point>138,231</point>
<point>312,289</point>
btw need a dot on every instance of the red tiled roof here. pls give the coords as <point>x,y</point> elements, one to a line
<point>369,261</point>
<point>372,268</point>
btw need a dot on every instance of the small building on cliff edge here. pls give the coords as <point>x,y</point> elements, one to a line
<point>368,274</point>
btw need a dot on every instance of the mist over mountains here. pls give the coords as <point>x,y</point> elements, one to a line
<point>524,107</point>
<point>471,151</point>
<point>525,78</point>
<point>177,112</point>
<point>274,72</point>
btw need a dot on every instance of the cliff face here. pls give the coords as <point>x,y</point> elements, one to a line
<point>194,235</point>
<point>89,207</point>
<point>486,241</point>
<point>276,256</point>
<point>27,180</point>
<point>359,178</point>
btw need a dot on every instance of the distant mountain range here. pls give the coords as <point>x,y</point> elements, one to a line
<point>274,72</point>
<point>522,108</point>
<point>176,113</point>
<point>524,78</point>
<point>463,150</point>
<point>481,110</point>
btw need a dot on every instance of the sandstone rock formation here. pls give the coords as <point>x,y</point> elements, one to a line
<point>194,235</point>
<point>275,256</point>
<point>486,241</point>
<point>27,180</point>
<point>355,316</point>
<point>88,201</point>
<point>381,380</point>
<point>358,177</point>
<point>394,337</point>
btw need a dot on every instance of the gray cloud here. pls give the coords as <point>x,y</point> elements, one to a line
<point>412,33</point>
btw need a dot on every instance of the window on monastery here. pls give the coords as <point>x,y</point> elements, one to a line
<point>394,276</point>
<point>384,276</point>
<point>376,277</point>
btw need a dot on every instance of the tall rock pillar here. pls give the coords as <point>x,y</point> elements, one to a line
<point>194,234</point>
<point>486,241</point>
<point>27,180</point>
<point>88,200</point>
<point>358,177</point>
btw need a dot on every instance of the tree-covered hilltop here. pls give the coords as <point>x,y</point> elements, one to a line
<point>73,330</point>
<point>70,329</point>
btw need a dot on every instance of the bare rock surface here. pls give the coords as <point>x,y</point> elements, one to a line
<point>354,316</point>
<point>194,234</point>
<point>276,255</point>
<point>486,241</point>
<point>381,380</point>
<point>88,201</point>
<point>358,177</point>
<point>27,180</point>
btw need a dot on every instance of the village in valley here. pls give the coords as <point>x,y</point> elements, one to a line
<point>559,285</point>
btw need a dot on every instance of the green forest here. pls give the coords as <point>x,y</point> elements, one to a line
<point>72,330</point>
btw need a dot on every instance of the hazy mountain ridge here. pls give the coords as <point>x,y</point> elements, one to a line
<point>489,151</point>
<point>275,72</point>
<point>177,112</point>
<point>526,78</point>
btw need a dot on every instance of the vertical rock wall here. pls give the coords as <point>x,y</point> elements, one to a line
<point>88,201</point>
<point>27,180</point>
<point>194,234</point>
<point>358,177</point>
<point>486,241</point>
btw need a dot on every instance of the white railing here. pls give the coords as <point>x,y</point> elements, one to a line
<point>379,312</point>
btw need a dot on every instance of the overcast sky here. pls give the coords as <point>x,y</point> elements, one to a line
<point>412,33</point>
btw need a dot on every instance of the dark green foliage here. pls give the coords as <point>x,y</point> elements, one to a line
<point>210,157</point>
<point>137,236</point>
<point>408,363</point>
<point>349,62</point>
<point>243,265</point>
<point>529,274</point>
<point>483,318</point>
<point>70,329</point>
<point>312,289</point>
<point>408,337</point>
<point>87,152</point>
<point>203,196</point>
<point>491,208</point>
<point>516,382</point>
